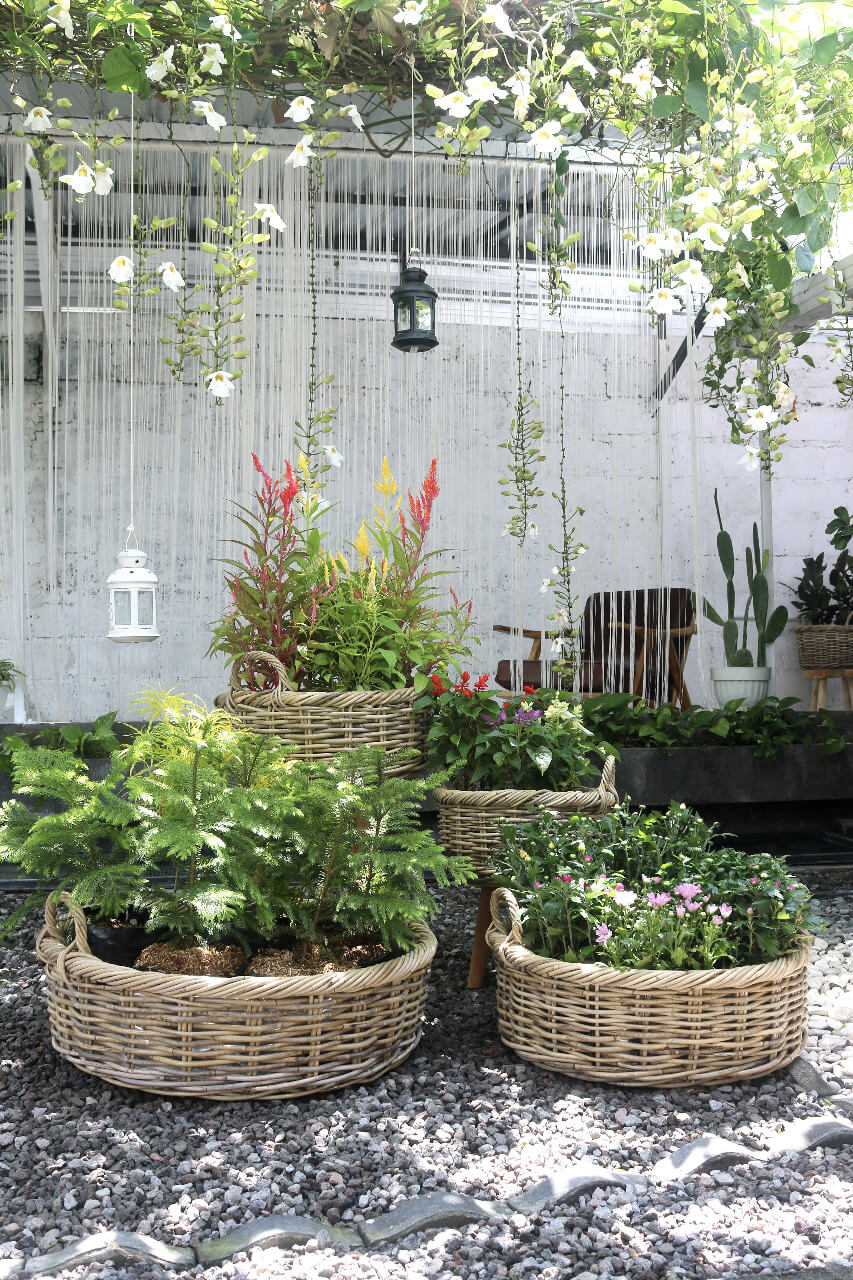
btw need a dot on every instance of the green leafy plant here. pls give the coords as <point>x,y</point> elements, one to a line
<point>333,625</point>
<point>642,890</point>
<point>8,672</point>
<point>840,530</point>
<point>89,843</point>
<point>253,842</point>
<point>767,628</point>
<point>623,720</point>
<point>534,740</point>
<point>359,855</point>
<point>820,603</point>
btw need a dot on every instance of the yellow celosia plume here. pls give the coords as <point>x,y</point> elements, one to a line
<point>362,542</point>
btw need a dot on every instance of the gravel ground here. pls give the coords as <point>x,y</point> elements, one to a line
<point>461,1115</point>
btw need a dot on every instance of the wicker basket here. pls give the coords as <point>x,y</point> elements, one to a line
<point>824,646</point>
<point>469,821</point>
<point>232,1038</point>
<point>646,1027</point>
<point>322,725</point>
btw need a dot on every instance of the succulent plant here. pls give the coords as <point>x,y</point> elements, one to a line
<point>767,628</point>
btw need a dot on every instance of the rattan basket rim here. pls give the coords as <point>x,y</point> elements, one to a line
<point>514,798</point>
<point>284,695</point>
<point>76,961</point>
<point>508,943</point>
<point>811,627</point>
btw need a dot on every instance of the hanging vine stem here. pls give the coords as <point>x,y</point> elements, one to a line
<point>519,486</point>
<point>307,438</point>
<point>564,648</point>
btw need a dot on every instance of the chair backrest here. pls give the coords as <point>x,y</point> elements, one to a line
<point>611,641</point>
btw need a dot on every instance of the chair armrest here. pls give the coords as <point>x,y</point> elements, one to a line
<point>514,631</point>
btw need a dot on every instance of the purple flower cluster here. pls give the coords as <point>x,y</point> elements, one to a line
<point>523,717</point>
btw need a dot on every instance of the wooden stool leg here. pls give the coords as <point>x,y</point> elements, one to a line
<point>821,693</point>
<point>480,951</point>
<point>847,687</point>
<point>813,699</point>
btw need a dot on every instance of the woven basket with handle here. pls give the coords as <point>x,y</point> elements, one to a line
<point>469,821</point>
<point>322,725</point>
<point>645,1027</point>
<point>230,1037</point>
<point>825,645</point>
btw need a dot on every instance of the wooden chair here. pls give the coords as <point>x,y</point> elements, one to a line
<point>630,641</point>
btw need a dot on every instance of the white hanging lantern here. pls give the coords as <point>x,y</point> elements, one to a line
<point>133,598</point>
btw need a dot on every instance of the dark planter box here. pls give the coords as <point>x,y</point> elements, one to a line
<point>733,775</point>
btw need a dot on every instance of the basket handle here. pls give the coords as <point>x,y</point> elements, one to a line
<point>607,787</point>
<point>255,655</point>
<point>51,928</point>
<point>503,903</point>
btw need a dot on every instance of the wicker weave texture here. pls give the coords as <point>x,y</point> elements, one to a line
<point>824,646</point>
<point>322,725</point>
<point>645,1027</point>
<point>469,821</point>
<point>231,1038</point>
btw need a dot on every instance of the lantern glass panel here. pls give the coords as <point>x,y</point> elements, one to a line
<point>121,608</point>
<point>145,609</point>
<point>424,314</point>
<point>403,317</point>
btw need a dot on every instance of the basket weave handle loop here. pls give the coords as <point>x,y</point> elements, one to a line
<point>502,904</point>
<point>608,780</point>
<point>255,655</point>
<point>81,940</point>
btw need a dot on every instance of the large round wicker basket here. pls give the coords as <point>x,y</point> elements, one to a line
<point>321,725</point>
<point>645,1027</point>
<point>824,646</point>
<point>231,1038</point>
<point>469,821</point>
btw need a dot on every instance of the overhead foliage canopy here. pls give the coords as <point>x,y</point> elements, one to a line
<point>738,119</point>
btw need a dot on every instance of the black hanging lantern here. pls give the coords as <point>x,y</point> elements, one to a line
<point>414,311</point>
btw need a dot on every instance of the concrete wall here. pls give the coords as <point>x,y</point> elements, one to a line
<point>633,474</point>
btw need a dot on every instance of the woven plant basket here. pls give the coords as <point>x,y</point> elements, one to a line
<point>645,1027</point>
<point>234,1038</point>
<point>469,821</point>
<point>824,646</point>
<point>322,725</point>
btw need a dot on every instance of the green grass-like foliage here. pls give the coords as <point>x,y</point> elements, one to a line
<point>645,890</point>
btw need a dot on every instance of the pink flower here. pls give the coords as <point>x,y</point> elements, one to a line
<point>712,908</point>
<point>753,879</point>
<point>749,911</point>
<point>657,899</point>
<point>619,888</point>
<point>565,879</point>
<point>717,920</point>
<point>602,933</point>
<point>692,906</point>
<point>537,884</point>
<point>725,910</point>
<point>680,911</point>
<point>587,857</point>
<point>688,891</point>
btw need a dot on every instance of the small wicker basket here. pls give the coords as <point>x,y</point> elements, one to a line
<point>469,821</point>
<point>232,1038</point>
<point>824,646</point>
<point>322,725</point>
<point>646,1027</point>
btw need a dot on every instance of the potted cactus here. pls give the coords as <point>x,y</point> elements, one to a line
<point>743,677</point>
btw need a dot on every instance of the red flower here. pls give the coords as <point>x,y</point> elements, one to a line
<point>468,693</point>
<point>481,683</point>
<point>528,688</point>
<point>465,677</point>
<point>438,686</point>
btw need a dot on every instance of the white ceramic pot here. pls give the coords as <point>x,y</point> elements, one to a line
<point>749,683</point>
